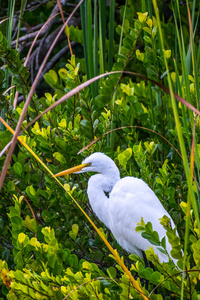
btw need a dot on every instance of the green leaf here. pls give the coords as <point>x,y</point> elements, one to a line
<point>167,53</point>
<point>124,157</point>
<point>59,157</point>
<point>139,55</point>
<point>18,168</point>
<point>156,297</point>
<point>147,30</point>
<point>17,223</point>
<point>147,39</point>
<point>73,233</point>
<point>30,191</point>
<point>30,224</point>
<point>51,78</point>
<point>21,237</point>
<point>11,186</point>
<point>63,73</point>
<point>112,272</point>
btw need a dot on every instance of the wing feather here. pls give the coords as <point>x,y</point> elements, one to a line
<point>131,199</point>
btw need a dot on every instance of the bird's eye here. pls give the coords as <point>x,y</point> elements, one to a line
<point>88,165</point>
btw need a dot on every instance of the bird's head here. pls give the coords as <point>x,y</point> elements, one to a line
<point>96,162</point>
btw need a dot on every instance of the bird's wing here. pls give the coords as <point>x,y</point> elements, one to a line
<point>131,199</point>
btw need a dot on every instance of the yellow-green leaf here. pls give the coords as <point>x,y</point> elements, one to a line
<point>167,53</point>
<point>21,237</point>
<point>142,16</point>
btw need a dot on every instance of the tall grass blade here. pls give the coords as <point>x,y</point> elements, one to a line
<point>111,34</point>
<point>83,25</point>
<point>95,43</point>
<point>102,35</point>
<point>11,11</point>
<point>179,87</point>
<point>185,80</point>
<point>193,11</point>
<point>121,35</point>
<point>196,88</point>
<point>144,9</point>
<point>103,20</point>
<point>188,62</point>
<point>11,6</point>
<point>23,3</point>
<point>86,21</point>
<point>150,8</point>
<point>191,196</point>
<point>176,42</point>
<point>111,136</point>
<point>90,44</point>
<point>14,95</point>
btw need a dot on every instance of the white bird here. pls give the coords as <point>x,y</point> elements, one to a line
<point>120,204</point>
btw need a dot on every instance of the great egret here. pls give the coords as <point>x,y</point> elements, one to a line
<point>120,204</point>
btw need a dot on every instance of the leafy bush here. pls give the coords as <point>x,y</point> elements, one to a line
<point>49,250</point>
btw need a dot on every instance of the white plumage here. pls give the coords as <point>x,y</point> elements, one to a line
<point>120,204</point>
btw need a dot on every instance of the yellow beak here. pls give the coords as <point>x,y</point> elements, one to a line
<point>72,170</point>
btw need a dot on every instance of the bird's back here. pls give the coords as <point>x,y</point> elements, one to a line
<point>131,199</point>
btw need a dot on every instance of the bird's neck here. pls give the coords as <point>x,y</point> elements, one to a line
<point>99,188</point>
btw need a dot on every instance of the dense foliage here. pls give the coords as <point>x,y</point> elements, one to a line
<point>48,249</point>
